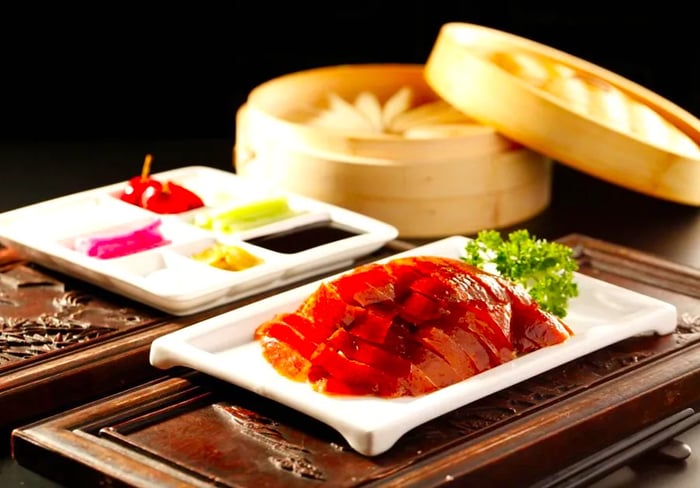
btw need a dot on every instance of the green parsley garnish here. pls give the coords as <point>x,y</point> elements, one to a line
<point>545,269</point>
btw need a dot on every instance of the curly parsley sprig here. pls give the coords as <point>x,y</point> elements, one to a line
<point>544,268</point>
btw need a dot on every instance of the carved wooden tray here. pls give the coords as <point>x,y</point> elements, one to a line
<point>64,342</point>
<point>188,429</point>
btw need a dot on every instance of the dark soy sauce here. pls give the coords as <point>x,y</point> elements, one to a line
<point>304,237</point>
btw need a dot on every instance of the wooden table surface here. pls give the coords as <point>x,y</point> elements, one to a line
<point>35,171</point>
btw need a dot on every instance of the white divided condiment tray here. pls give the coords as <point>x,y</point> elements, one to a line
<point>224,347</point>
<point>166,277</point>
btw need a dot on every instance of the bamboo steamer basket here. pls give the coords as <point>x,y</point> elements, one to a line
<point>573,111</point>
<point>455,182</point>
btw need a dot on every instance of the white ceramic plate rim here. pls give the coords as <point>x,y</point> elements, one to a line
<point>223,347</point>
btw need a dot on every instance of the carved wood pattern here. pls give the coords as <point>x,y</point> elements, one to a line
<point>41,312</point>
<point>286,455</point>
<point>195,428</point>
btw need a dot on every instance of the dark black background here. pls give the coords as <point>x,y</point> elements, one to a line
<point>105,71</point>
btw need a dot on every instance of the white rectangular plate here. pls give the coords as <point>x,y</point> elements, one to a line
<point>223,347</point>
<point>166,277</point>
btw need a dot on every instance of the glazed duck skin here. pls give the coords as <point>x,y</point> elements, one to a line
<point>406,328</point>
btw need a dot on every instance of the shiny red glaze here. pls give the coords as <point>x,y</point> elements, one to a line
<point>406,328</point>
<point>360,350</point>
<point>417,308</point>
<point>532,327</point>
<point>283,332</point>
<point>374,325</point>
<point>369,284</point>
<point>169,198</point>
<point>327,363</point>
<point>163,198</point>
<point>135,187</point>
<point>326,311</point>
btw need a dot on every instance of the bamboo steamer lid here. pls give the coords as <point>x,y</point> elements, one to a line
<point>573,111</point>
<point>459,179</point>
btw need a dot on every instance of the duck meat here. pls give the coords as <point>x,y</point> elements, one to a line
<point>406,327</point>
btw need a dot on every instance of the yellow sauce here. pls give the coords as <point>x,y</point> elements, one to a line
<point>230,258</point>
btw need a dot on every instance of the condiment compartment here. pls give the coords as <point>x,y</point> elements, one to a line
<point>434,172</point>
<point>181,262</point>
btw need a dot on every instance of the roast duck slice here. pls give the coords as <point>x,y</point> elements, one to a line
<point>406,328</point>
